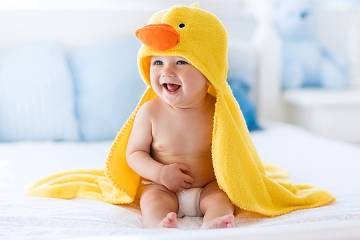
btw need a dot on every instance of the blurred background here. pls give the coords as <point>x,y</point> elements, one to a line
<point>68,74</point>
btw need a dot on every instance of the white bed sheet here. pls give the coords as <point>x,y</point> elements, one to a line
<point>309,159</point>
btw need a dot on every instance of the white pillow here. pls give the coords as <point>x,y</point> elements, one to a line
<point>36,94</point>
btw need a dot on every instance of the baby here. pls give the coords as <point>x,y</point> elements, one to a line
<point>170,147</point>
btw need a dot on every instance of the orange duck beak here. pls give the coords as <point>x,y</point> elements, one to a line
<point>158,36</point>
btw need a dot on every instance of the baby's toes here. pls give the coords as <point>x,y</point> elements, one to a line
<point>227,221</point>
<point>170,221</point>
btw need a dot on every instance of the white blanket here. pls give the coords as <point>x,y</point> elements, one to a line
<point>303,154</point>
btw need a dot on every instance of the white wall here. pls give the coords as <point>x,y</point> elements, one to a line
<point>339,29</point>
<point>231,12</point>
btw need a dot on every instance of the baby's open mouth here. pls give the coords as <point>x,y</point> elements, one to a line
<point>171,87</point>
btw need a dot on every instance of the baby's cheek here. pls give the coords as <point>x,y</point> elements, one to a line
<point>200,87</point>
<point>153,82</point>
<point>156,87</point>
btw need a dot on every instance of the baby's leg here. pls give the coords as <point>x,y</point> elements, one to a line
<point>216,207</point>
<point>158,207</point>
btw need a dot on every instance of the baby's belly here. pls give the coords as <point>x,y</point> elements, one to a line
<point>200,164</point>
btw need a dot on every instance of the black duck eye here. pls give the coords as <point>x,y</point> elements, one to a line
<point>181,25</point>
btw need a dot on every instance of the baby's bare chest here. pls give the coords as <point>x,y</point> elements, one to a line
<point>182,135</point>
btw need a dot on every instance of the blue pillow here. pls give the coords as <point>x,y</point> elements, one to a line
<point>36,94</point>
<point>108,86</point>
<point>241,91</point>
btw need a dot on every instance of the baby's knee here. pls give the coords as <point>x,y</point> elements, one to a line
<point>218,196</point>
<point>215,198</point>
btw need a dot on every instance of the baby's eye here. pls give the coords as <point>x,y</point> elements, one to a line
<point>157,62</point>
<point>181,62</point>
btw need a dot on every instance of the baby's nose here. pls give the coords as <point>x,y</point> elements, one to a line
<point>168,72</point>
<point>168,75</point>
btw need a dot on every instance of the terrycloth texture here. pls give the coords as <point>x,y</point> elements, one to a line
<point>199,37</point>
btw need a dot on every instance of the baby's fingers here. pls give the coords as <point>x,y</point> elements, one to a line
<point>183,167</point>
<point>188,179</point>
<point>186,185</point>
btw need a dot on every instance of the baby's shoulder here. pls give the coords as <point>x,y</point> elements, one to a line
<point>149,108</point>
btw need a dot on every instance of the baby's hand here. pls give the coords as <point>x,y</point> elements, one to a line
<point>175,176</point>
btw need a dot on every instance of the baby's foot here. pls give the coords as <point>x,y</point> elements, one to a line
<point>227,221</point>
<point>170,221</point>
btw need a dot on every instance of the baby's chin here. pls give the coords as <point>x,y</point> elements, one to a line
<point>175,103</point>
<point>173,100</point>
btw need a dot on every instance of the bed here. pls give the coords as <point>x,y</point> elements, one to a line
<point>308,158</point>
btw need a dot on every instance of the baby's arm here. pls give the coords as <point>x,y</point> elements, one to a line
<point>138,148</point>
<point>172,176</point>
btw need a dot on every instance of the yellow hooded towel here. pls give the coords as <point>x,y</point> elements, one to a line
<point>200,37</point>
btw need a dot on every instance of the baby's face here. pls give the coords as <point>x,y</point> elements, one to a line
<point>177,82</point>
